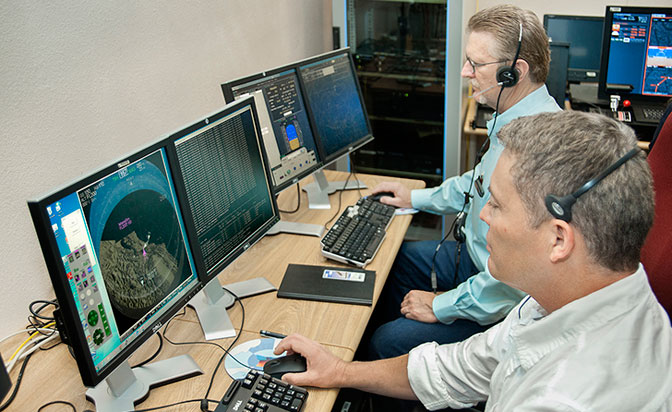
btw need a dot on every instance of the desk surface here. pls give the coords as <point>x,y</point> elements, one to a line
<point>53,375</point>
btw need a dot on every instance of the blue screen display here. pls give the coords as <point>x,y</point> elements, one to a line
<point>640,53</point>
<point>333,97</point>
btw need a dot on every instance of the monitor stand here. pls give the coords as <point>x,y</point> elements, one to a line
<point>319,191</point>
<point>296,228</point>
<point>126,386</point>
<point>211,304</point>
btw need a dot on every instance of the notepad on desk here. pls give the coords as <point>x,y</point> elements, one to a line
<point>329,284</point>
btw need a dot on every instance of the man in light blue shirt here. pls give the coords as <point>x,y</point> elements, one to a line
<point>409,312</point>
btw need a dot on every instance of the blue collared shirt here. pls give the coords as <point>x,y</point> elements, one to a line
<point>481,298</point>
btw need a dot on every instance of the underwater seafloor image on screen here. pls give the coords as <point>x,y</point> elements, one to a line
<point>137,237</point>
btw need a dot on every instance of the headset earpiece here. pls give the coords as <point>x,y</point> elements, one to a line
<point>560,207</point>
<point>507,76</point>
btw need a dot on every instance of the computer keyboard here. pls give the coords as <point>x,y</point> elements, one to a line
<point>358,233</point>
<point>259,392</point>
<point>653,113</point>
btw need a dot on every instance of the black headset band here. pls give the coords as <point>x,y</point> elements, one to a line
<point>561,207</point>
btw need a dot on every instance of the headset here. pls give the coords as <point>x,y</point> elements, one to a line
<point>506,76</point>
<point>561,207</point>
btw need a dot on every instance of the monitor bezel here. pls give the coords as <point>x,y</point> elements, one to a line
<point>602,91</point>
<point>227,91</point>
<point>329,159</point>
<point>69,321</point>
<point>577,72</point>
<point>204,275</point>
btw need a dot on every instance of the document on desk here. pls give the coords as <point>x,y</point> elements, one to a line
<point>328,284</point>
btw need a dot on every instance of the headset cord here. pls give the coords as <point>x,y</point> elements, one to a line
<point>455,227</point>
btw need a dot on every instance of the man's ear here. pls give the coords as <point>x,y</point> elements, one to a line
<point>523,68</point>
<point>563,240</point>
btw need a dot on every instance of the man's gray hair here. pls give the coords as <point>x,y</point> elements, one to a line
<point>503,23</point>
<point>556,153</point>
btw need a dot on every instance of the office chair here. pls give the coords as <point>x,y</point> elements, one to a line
<point>658,245</point>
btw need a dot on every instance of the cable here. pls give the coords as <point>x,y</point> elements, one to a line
<point>298,202</point>
<point>156,353</point>
<point>462,215</point>
<point>340,196</point>
<point>242,323</point>
<point>16,385</point>
<point>29,352</point>
<point>30,338</point>
<point>156,408</point>
<point>57,403</point>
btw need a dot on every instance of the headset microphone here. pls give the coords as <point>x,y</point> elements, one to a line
<point>485,90</point>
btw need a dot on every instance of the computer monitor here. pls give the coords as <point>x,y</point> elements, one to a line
<point>286,132</point>
<point>221,164</point>
<point>120,262</point>
<point>637,54</point>
<point>338,113</point>
<point>556,81</point>
<point>584,34</point>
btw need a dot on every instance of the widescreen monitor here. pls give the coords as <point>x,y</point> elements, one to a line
<point>119,258</point>
<point>337,112</point>
<point>584,35</point>
<point>637,53</point>
<point>221,164</point>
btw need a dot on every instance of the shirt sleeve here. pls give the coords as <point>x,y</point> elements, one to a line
<point>444,199</point>
<point>481,298</point>
<point>456,375</point>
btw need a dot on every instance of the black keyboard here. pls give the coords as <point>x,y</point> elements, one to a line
<point>653,113</point>
<point>259,392</point>
<point>358,233</point>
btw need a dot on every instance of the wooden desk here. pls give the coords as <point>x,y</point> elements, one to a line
<point>53,375</point>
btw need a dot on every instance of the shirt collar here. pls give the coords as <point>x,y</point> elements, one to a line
<point>522,108</point>
<point>535,334</point>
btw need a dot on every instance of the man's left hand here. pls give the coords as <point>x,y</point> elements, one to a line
<point>417,305</point>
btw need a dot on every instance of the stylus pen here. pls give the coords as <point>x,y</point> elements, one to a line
<point>272,334</point>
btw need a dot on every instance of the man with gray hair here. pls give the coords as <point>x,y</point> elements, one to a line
<point>507,60</point>
<point>570,207</point>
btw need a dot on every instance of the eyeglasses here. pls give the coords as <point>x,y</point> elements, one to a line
<point>475,65</point>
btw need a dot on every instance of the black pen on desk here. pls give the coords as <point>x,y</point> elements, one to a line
<point>272,334</point>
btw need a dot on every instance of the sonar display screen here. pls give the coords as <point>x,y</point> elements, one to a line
<point>124,251</point>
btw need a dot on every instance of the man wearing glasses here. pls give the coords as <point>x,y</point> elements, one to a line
<point>412,310</point>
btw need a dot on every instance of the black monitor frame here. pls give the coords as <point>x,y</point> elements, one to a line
<point>576,74</point>
<point>332,157</point>
<point>207,274</point>
<point>317,192</point>
<point>211,303</point>
<point>68,318</point>
<point>604,89</point>
<point>228,92</point>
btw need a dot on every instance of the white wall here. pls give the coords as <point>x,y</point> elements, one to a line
<point>83,83</point>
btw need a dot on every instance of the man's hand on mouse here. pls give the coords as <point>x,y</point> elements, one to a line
<point>402,196</point>
<point>324,370</point>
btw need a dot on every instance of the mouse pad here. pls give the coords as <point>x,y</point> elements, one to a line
<point>248,355</point>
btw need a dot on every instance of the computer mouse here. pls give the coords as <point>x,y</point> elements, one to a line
<point>378,195</point>
<point>294,363</point>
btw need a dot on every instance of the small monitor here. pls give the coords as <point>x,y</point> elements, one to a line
<point>337,111</point>
<point>120,261</point>
<point>637,53</point>
<point>228,190</point>
<point>287,135</point>
<point>584,34</point>
<point>336,104</point>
